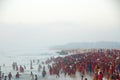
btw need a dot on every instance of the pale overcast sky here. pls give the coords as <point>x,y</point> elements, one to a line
<point>43,23</point>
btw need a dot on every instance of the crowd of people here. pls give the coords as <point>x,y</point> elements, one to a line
<point>9,76</point>
<point>100,64</point>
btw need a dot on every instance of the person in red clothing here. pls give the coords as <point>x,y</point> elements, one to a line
<point>50,70</point>
<point>17,75</point>
<point>100,76</point>
<point>2,75</point>
<point>9,76</point>
<point>21,69</point>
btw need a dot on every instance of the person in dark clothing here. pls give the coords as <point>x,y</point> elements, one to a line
<point>112,77</point>
<point>5,78</point>
<point>44,72</point>
<point>36,77</point>
<point>119,67</point>
<point>0,75</point>
<point>85,78</point>
<point>82,77</point>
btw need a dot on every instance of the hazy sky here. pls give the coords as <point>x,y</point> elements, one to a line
<point>42,23</point>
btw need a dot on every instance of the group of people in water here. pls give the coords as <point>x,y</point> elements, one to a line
<point>19,70</point>
<point>15,67</point>
<point>9,76</point>
<point>99,64</point>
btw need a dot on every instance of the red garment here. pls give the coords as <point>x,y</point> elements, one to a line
<point>51,71</point>
<point>17,75</point>
<point>100,76</point>
<point>9,75</point>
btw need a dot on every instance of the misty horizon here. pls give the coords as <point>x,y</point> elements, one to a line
<point>36,24</point>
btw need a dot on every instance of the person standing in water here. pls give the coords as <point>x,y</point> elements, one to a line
<point>31,64</point>
<point>9,76</point>
<point>17,75</point>
<point>39,67</point>
<point>0,74</point>
<point>5,78</point>
<point>31,76</point>
<point>44,72</point>
<point>36,77</point>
